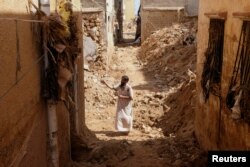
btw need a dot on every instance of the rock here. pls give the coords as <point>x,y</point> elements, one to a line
<point>135,104</point>
<point>158,95</point>
<point>148,95</point>
<point>102,106</point>
<point>178,156</point>
<point>171,135</point>
<point>145,100</point>
<point>95,80</point>
<point>152,136</point>
<point>178,163</point>
<point>86,67</point>
<point>146,129</point>
<point>97,99</point>
<point>114,67</point>
<point>155,104</point>
<point>165,108</point>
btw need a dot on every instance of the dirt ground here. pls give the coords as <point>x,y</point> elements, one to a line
<point>163,109</point>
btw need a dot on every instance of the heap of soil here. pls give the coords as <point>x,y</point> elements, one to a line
<point>164,107</point>
<point>171,52</point>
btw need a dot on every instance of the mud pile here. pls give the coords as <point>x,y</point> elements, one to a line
<point>178,124</point>
<point>171,52</point>
<point>163,105</point>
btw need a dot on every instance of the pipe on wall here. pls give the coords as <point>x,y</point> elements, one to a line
<point>52,125</point>
<point>51,104</point>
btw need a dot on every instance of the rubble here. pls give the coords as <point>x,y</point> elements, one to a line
<point>163,106</point>
<point>92,27</point>
<point>171,52</point>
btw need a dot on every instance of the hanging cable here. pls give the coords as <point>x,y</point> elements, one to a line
<point>239,88</point>
<point>21,78</point>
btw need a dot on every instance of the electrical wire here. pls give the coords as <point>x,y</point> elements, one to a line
<point>21,78</point>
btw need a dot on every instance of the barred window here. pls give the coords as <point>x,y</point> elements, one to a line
<point>211,75</point>
<point>238,98</point>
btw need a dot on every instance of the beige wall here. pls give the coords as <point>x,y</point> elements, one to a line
<point>129,12</point>
<point>153,20</point>
<point>191,6</point>
<point>231,134</point>
<point>22,113</point>
<point>23,118</point>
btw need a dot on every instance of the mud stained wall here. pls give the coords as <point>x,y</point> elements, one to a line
<point>22,113</point>
<point>154,19</point>
<point>63,115</point>
<point>213,131</point>
<point>63,121</point>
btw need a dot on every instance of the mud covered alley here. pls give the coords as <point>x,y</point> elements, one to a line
<point>124,83</point>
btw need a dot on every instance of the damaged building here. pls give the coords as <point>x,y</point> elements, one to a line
<point>98,27</point>
<point>223,113</point>
<point>157,14</point>
<point>35,123</point>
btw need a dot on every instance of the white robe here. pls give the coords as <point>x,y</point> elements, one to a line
<point>124,113</point>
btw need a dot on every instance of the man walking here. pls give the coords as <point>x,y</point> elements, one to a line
<point>124,113</point>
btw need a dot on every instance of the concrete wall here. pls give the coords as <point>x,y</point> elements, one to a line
<point>191,6</point>
<point>153,20</point>
<point>23,118</point>
<point>212,131</point>
<point>88,4</point>
<point>163,13</point>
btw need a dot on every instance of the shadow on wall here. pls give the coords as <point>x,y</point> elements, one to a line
<point>23,116</point>
<point>23,113</point>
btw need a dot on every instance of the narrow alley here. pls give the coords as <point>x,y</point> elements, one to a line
<point>124,83</point>
<point>155,105</point>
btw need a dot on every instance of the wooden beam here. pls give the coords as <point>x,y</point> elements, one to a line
<point>216,15</point>
<point>242,15</point>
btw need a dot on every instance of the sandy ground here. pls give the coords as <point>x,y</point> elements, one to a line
<point>162,75</point>
<point>163,133</point>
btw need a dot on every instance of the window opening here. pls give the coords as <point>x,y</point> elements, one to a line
<point>211,75</point>
<point>238,97</point>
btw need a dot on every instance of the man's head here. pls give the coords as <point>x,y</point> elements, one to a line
<point>124,80</point>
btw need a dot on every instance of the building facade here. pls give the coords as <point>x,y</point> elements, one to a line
<point>104,9</point>
<point>23,111</point>
<point>157,14</point>
<point>221,29</point>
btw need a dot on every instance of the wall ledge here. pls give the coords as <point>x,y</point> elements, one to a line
<point>163,8</point>
<point>91,10</point>
<point>242,15</point>
<point>216,15</point>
